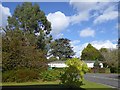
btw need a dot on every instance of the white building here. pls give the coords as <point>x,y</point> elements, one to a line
<point>57,64</point>
<point>61,64</point>
<point>90,64</point>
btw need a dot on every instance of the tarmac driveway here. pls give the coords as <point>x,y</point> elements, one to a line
<point>112,80</point>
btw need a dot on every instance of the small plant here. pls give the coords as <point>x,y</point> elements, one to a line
<point>50,75</point>
<point>20,75</point>
<point>74,73</point>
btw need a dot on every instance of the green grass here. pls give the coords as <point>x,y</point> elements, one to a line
<point>87,86</point>
<point>92,85</point>
<point>28,83</point>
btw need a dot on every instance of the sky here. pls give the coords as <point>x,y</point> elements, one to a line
<point>81,22</point>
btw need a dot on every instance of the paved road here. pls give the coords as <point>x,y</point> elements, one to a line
<point>107,79</point>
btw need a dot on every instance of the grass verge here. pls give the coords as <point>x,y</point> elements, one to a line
<point>95,86</point>
<point>87,86</point>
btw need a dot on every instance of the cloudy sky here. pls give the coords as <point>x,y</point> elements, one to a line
<point>81,22</point>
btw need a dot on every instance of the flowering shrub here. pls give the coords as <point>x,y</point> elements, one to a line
<point>74,73</point>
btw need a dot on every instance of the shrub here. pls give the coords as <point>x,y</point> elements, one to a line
<point>50,75</point>
<point>74,73</point>
<point>23,75</point>
<point>20,75</point>
<point>8,76</point>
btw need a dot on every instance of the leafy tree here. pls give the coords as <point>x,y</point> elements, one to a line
<point>61,48</point>
<point>111,58</point>
<point>91,53</point>
<point>19,52</point>
<point>103,52</point>
<point>26,39</point>
<point>52,59</point>
<point>29,18</point>
<point>97,64</point>
<point>74,73</point>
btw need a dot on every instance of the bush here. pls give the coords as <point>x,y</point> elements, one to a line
<point>99,70</point>
<point>20,75</point>
<point>23,75</point>
<point>8,76</point>
<point>74,73</point>
<point>51,75</point>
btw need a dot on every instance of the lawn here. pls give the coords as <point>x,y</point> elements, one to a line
<point>55,84</point>
<point>92,85</point>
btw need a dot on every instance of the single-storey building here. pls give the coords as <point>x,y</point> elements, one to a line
<point>61,64</point>
<point>57,64</point>
<point>90,64</point>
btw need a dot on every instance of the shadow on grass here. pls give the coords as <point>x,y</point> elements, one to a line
<point>39,87</point>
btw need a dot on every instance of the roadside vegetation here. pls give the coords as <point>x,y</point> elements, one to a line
<point>27,43</point>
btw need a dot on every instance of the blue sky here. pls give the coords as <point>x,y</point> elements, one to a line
<point>82,23</point>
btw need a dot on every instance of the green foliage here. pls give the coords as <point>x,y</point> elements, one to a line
<point>74,73</point>
<point>23,75</point>
<point>91,53</point>
<point>20,75</point>
<point>8,76</point>
<point>51,75</point>
<point>52,59</point>
<point>97,64</point>
<point>61,48</point>
<point>21,47</point>
<point>19,51</point>
<point>28,17</point>
<point>99,70</point>
<point>111,59</point>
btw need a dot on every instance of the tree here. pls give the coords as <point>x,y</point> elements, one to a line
<point>74,73</point>
<point>18,51</point>
<point>61,48</point>
<point>91,53</point>
<point>103,52</point>
<point>97,64</point>
<point>111,59</point>
<point>30,19</point>
<point>25,42</point>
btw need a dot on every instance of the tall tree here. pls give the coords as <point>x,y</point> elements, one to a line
<point>30,19</point>
<point>18,51</point>
<point>61,48</point>
<point>111,59</point>
<point>103,52</point>
<point>91,53</point>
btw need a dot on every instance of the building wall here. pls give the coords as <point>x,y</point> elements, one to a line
<point>58,65</point>
<point>91,65</point>
<point>61,65</point>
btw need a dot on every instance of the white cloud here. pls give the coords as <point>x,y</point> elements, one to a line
<point>103,44</point>
<point>59,21</point>
<point>87,32</point>
<point>77,47</point>
<point>97,44</point>
<point>94,0</point>
<point>110,13</point>
<point>4,13</point>
<point>74,42</point>
<point>106,16</point>
<point>104,10</point>
<point>60,35</point>
<point>78,18</point>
